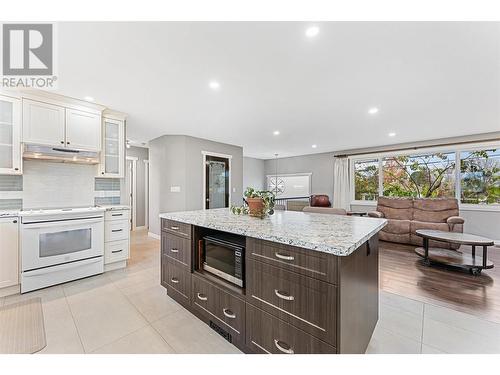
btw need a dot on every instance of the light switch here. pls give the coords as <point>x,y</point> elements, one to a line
<point>175,189</point>
<point>234,190</point>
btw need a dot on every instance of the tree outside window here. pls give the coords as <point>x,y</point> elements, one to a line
<point>420,176</point>
<point>480,177</point>
<point>366,180</point>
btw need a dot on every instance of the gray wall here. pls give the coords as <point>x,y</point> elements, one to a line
<point>320,165</point>
<point>142,154</point>
<point>254,173</point>
<point>177,160</point>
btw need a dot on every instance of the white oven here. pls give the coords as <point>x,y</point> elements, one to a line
<point>60,245</point>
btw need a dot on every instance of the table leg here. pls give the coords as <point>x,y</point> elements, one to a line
<point>473,251</point>
<point>485,255</point>
<point>426,249</point>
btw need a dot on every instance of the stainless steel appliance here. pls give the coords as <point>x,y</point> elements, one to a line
<point>60,245</point>
<point>224,256</point>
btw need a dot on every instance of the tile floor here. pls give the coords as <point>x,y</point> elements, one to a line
<point>127,311</point>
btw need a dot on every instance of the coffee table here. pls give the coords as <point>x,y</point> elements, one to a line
<point>454,258</point>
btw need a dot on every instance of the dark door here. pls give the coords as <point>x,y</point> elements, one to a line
<point>216,182</point>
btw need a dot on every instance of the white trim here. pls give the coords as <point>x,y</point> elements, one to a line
<point>140,228</point>
<point>133,181</point>
<point>146,193</point>
<point>204,160</point>
<point>154,235</point>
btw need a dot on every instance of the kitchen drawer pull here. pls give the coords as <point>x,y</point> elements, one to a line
<point>116,214</point>
<point>202,297</point>
<point>283,296</point>
<point>174,280</point>
<point>174,250</point>
<point>284,257</point>
<point>174,228</point>
<point>229,314</point>
<point>116,230</point>
<point>116,251</point>
<point>279,343</point>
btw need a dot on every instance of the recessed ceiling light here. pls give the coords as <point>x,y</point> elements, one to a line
<point>314,146</point>
<point>214,85</point>
<point>392,134</point>
<point>312,31</point>
<point>373,110</point>
<point>276,132</point>
<point>89,98</point>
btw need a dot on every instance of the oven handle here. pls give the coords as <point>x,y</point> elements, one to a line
<point>43,271</point>
<point>61,223</point>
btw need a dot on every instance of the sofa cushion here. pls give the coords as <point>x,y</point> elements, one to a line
<point>397,226</point>
<point>393,237</point>
<point>434,210</point>
<point>396,208</point>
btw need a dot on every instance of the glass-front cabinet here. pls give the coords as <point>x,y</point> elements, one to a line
<point>113,148</point>
<point>10,135</point>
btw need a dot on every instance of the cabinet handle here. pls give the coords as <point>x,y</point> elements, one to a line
<point>201,297</point>
<point>14,221</point>
<point>174,280</point>
<point>67,143</point>
<point>16,169</point>
<point>174,228</point>
<point>286,297</point>
<point>116,214</point>
<point>284,257</point>
<point>102,172</point>
<point>62,142</point>
<point>229,314</point>
<point>279,343</point>
<point>116,251</point>
<point>116,230</point>
<point>174,250</point>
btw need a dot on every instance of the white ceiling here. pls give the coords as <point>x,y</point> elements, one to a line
<point>429,80</point>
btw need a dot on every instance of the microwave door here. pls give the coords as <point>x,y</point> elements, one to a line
<point>222,259</point>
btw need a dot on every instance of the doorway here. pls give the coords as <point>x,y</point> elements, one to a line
<point>217,180</point>
<point>131,188</point>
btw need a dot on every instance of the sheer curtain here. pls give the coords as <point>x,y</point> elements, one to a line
<point>341,183</point>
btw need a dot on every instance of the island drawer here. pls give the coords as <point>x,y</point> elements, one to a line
<point>176,248</point>
<point>222,308</point>
<point>311,263</point>
<point>302,301</point>
<point>175,227</point>
<point>177,280</point>
<point>268,334</point>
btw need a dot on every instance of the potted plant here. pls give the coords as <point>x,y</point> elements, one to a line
<point>260,203</point>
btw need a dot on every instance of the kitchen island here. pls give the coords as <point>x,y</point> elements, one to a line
<point>308,282</point>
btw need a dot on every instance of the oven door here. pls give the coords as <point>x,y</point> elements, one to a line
<point>224,260</point>
<point>46,244</point>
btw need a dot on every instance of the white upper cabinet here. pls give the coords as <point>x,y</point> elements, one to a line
<point>43,123</point>
<point>10,135</point>
<point>83,130</point>
<point>113,148</point>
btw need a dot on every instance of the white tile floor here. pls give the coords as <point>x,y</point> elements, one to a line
<point>127,311</point>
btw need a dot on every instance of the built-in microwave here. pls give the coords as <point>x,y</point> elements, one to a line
<point>224,256</point>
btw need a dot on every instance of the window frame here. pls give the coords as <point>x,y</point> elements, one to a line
<point>456,149</point>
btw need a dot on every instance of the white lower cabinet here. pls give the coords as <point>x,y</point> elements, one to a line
<point>116,238</point>
<point>9,252</point>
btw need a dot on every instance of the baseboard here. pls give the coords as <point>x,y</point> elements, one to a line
<point>153,235</point>
<point>10,290</point>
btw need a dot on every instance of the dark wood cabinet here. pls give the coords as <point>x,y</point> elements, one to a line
<point>307,303</point>
<point>294,301</point>
<point>177,248</point>
<point>268,334</point>
<point>314,264</point>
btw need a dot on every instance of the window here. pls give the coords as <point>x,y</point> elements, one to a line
<point>480,177</point>
<point>421,176</point>
<point>366,180</point>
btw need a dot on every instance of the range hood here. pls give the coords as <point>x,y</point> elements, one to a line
<point>59,154</point>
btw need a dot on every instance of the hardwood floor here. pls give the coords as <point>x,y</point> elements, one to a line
<point>402,272</point>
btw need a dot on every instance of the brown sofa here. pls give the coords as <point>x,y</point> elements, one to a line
<point>406,215</point>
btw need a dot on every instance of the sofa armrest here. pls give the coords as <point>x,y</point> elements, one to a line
<point>377,214</point>
<point>455,220</point>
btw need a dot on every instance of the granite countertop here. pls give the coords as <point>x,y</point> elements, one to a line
<point>334,234</point>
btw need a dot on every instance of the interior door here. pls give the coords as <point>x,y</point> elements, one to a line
<point>216,182</point>
<point>83,130</point>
